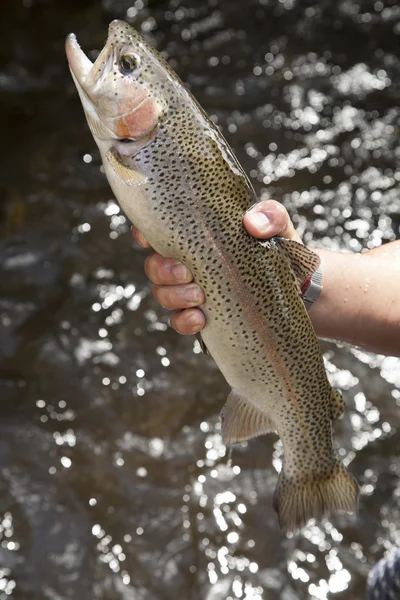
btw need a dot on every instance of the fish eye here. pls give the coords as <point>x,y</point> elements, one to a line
<point>128,63</point>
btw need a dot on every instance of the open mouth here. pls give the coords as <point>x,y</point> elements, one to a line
<point>84,71</point>
<point>78,62</point>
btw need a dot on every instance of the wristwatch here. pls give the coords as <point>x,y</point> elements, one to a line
<point>312,288</point>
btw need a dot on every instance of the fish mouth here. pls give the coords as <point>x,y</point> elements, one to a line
<point>82,71</point>
<point>86,73</point>
<point>78,62</point>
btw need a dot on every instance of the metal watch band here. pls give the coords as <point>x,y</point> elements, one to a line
<point>313,289</point>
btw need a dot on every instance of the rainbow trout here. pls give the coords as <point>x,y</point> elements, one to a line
<point>178,181</point>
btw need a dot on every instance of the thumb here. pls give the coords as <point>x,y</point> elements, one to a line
<point>269,218</point>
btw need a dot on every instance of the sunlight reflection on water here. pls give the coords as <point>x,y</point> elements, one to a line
<point>111,452</point>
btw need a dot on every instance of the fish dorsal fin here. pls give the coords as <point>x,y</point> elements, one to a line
<point>128,176</point>
<point>241,420</point>
<point>337,405</point>
<point>304,261</point>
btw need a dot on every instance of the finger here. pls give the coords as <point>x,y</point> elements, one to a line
<point>139,237</point>
<point>178,296</point>
<point>188,321</point>
<point>268,218</point>
<point>166,271</point>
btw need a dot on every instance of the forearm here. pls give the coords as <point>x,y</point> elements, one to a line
<point>360,302</point>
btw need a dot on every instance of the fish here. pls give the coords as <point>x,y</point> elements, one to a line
<point>178,181</point>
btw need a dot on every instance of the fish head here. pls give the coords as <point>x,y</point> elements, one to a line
<point>122,92</point>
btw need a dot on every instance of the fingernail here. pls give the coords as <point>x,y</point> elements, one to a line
<point>195,322</point>
<point>194,294</point>
<point>260,221</point>
<point>250,208</point>
<point>180,272</point>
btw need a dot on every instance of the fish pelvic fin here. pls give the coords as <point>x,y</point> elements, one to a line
<point>296,502</point>
<point>241,420</point>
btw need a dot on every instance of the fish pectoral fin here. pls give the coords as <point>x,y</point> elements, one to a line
<point>241,420</point>
<point>304,261</point>
<point>128,176</point>
<point>337,405</point>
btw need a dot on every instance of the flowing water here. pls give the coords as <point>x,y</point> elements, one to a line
<point>114,482</point>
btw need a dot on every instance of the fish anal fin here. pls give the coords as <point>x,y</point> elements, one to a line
<point>304,261</point>
<point>128,176</point>
<point>299,499</point>
<point>241,420</point>
<point>337,405</point>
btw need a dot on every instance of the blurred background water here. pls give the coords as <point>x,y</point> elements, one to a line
<point>114,482</point>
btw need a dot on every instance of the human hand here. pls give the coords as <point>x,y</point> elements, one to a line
<point>173,282</point>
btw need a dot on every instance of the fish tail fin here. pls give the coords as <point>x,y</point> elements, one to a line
<point>297,501</point>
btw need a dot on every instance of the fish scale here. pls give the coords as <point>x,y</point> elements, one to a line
<point>176,178</point>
